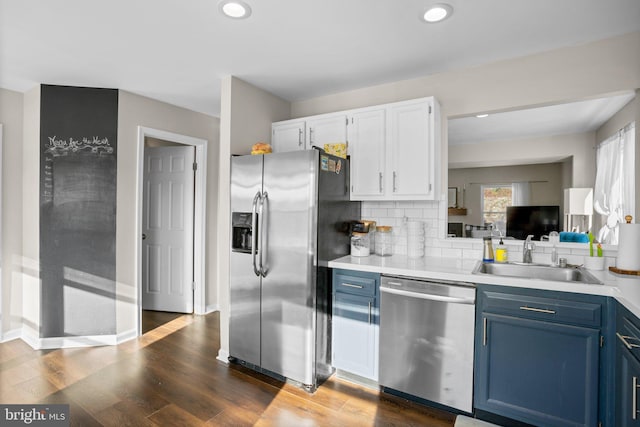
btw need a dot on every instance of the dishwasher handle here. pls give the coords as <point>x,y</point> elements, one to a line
<point>431,297</point>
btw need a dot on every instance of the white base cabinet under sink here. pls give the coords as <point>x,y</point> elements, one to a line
<point>355,323</point>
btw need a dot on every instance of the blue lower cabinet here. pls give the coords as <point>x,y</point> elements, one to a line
<point>539,357</point>
<point>540,373</point>
<point>627,368</point>
<point>355,323</point>
<point>627,389</point>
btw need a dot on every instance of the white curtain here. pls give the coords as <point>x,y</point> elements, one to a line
<point>614,194</point>
<point>521,193</point>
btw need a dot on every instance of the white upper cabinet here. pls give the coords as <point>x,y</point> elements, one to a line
<point>367,133</point>
<point>411,152</point>
<point>395,151</point>
<point>289,135</point>
<point>394,148</point>
<point>307,132</point>
<point>326,129</point>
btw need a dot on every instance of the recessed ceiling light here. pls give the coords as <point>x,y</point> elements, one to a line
<point>235,9</point>
<point>437,13</point>
<point>482,116</point>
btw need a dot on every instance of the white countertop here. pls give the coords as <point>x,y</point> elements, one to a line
<point>625,289</point>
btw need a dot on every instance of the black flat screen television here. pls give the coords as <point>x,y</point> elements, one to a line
<point>535,220</point>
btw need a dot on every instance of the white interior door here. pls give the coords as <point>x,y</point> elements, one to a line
<point>167,227</point>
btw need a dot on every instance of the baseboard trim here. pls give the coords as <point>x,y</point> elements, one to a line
<point>11,335</point>
<point>357,379</point>
<point>223,356</point>
<point>126,336</point>
<point>30,338</point>
<point>78,341</point>
<point>211,308</point>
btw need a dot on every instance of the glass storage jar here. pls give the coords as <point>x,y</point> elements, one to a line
<point>371,226</point>
<point>384,240</point>
<point>360,244</point>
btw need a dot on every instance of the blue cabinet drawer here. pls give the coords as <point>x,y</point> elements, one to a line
<point>542,308</point>
<point>355,282</point>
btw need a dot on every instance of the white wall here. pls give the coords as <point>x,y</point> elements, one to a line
<point>560,75</point>
<point>246,115</point>
<point>252,112</point>
<point>30,262</point>
<point>628,114</point>
<point>581,147</point>
<point>134,111</point>
<point>11,113</point>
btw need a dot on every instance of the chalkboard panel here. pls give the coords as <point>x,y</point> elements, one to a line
<point>78,149</point>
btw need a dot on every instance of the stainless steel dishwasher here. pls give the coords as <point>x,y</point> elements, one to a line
<point>426,339</point>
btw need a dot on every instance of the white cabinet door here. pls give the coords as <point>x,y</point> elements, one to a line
<point>327,130</point>
<point>367,131</point>
<point>288,136</point>
<point>355,334</point>
<point>411,171</point>
<point>394,148</point>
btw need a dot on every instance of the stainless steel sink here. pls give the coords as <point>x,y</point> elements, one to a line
<point>537,271</point>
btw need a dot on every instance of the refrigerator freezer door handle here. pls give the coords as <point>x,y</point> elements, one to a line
<point>264,199</point>
<point>254,235</point>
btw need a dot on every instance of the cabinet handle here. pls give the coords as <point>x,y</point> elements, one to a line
<point>310,136</point>
<point>299,137</point>
<point>380,181</point>
<point>634,398</point>
<point>538,310</point>
<point>394,181</point>
<point>484,331</point>
<point>626,343</point>
<point>352,286</point>
<point>369,312</point>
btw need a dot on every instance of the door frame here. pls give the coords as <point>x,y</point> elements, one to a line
<point>1,240</point>
<point>199,206</point>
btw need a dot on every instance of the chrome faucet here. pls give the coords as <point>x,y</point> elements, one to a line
<point>528,248</point>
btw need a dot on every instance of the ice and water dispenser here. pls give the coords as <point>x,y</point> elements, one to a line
<point>242,233</point>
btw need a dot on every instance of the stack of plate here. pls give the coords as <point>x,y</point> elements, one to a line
<point>415,239</point>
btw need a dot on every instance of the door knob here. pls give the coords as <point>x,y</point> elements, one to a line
<point>144,236</point>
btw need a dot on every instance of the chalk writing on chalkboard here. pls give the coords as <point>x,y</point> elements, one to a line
<point>62,147</point>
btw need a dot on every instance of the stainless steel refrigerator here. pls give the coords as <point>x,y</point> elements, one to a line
<point>290,216</point>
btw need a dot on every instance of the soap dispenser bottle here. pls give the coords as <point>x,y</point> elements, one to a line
<point>487,252</point>
<point>501,252</point>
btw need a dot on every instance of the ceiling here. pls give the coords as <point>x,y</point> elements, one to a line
<point>561,119</point>
<point>177,51</point>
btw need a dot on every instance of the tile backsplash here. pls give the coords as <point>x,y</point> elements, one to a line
<point>434,216</point>
<point>396,213</point>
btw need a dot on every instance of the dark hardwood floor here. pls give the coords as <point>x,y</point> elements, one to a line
<point>153,319</point>
<point>170,377</point>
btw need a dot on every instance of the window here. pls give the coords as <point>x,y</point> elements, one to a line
<point>495,199</point>
<point>614,194</point>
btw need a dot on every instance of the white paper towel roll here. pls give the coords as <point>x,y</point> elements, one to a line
<point>629,247</point>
